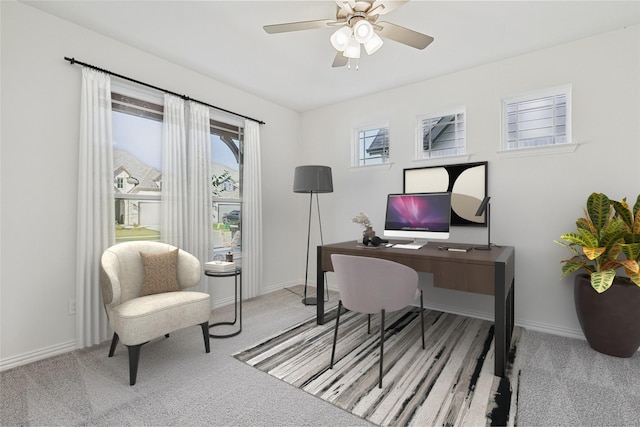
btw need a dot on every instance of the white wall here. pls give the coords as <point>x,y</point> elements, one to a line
<point>40,112</point>
<point>534,199</point>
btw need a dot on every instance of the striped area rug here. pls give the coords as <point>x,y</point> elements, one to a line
<point>451,382</point>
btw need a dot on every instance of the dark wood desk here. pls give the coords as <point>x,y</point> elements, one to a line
<point>485,272</point>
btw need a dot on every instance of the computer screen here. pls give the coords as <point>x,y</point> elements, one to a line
<point>418,216</point>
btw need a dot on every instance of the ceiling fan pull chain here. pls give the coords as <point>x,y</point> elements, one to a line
<point>357,64</point>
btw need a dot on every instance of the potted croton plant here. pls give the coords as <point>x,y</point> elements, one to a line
<point>607,243</point>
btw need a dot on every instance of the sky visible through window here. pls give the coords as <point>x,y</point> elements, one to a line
<point>139,137</point>
<point>143,139</point>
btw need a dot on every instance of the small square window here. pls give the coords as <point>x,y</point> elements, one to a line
<point>442,134</point>
<point>537,119</point>
<point>371,146</point>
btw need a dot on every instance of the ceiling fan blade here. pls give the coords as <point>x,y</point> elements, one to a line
<point>382,7</point>
<point>298,26</point>
<point>404,35</point>
<point>340,60</point>
<point>346,5</point>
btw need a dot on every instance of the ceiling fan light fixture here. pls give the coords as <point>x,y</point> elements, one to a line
<point>340,39</point>
<point>353,49</point>
<point>373,44</point>
<point>363,31</point>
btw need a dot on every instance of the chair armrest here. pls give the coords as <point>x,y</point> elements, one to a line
<point>189,270</point>
<point>109,282</point>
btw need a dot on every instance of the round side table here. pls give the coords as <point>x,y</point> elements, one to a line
<point>237,274</point>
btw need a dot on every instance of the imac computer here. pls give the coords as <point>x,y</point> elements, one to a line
<point>418,216</point>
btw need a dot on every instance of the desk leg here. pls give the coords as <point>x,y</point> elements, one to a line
<point>503,326</point>
<point>319,288</point>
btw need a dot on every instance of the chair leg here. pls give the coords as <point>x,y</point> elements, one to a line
<point>335,335</point>
<point>368,323</point>
<point>422,318</point>
<point>381,347</point>
<point>114,343</point>
<point>134,357</point>
<point>205,334</point>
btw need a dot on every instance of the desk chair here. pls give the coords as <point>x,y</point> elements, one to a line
<point>373,285</point>
<point>142,290</point>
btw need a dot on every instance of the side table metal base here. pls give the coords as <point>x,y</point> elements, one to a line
<point>237,273</point>
<point>233,334</point>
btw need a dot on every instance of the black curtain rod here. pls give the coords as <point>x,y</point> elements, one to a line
<point>73,61</point>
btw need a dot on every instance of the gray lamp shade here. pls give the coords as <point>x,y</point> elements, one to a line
<point>312,179</point>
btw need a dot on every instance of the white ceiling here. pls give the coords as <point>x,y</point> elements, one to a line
<point>225,40</point>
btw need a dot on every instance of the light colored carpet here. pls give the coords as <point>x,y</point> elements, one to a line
<point>178,383</point>
<point>451,382</point>
<point>564,382</point>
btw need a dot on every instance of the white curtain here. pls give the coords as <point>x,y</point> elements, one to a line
<point>251,212</point>
<point>173,206</point>
<point>96,205</point>
<point>199,197</point>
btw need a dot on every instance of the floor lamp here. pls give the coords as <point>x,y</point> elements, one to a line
<point>312,179</point>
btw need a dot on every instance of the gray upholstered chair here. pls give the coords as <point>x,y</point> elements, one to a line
<point>142,289</point>
<point>371,286</point>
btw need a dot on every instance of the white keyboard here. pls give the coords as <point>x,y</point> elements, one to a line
<point>408,245</point>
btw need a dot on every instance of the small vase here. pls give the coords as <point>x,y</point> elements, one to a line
<point>368,233</point>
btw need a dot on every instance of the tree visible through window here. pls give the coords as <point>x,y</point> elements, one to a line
<point>226,161</point>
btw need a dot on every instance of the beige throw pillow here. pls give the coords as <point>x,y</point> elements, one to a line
<point>160,272</point>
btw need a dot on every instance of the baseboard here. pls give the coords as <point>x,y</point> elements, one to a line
<point>457,310</point>
<point>534,326</point>
<point>551,329</point>
<point>277,287</point>
<point>33,356</point>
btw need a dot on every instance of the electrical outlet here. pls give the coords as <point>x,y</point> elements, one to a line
<point>72,306</point>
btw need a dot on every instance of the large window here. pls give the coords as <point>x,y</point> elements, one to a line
<point>371,145</point>
<point>537,119</point>
<point>441,134</point>
<point>137,177</point>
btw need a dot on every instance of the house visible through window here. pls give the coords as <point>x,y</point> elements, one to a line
<point>137,154</point>
<point>537,119</point>
<point>371,146</point>
<point>441,135</point>
<point>137,145</point>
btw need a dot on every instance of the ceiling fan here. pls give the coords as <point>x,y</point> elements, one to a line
<point>358,27</point>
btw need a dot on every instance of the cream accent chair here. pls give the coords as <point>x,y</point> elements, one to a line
<point>137,319</point>
<point>371,286</point>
